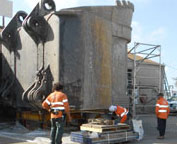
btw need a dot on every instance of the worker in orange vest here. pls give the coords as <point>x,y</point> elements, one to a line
<point>162,111</point>
<point>120,112</point>
<point>56,103</point>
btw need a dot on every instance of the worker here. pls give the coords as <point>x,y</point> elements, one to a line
<point>56,103</point>
<point>162,111</point>
<point>120,112</point>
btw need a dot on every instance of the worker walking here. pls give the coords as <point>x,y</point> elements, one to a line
<point>56,103</point>
<point>162,111</point>
<point>120,112</point>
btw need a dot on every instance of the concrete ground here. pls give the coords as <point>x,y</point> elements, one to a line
<point>40,137</point>
<point>4,140</point>
<point>151,133</point>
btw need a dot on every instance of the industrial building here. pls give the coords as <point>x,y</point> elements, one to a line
<point>146,77</point>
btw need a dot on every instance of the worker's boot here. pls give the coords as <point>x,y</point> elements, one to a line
<point>160,137</point>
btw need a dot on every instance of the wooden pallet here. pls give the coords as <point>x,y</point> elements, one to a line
<point>101,121</point>
<point>103,128</point>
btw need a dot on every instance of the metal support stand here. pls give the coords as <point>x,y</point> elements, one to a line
<point>145,51</point>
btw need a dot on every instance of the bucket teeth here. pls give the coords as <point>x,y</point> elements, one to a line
<point>125,4</point>
<point>130,5</point>
<point>119,3</point>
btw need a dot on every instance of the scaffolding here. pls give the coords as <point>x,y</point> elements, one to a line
<point>144,54</point>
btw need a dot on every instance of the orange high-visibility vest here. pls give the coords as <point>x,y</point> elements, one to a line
<point>56,101</point>
<point>122,112</point>
<point>162,109</point>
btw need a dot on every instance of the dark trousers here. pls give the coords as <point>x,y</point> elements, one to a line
<point>128,120</point>
<point>56,133</point>
<point>161,126</point>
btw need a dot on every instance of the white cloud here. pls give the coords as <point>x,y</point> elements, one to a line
<point>74,3</point>
<point>157,35</point>
<point>60,4</point>
<point>31,3</point>
<point>140,1</point>
<point>136,32</point>
<point>139,34</point>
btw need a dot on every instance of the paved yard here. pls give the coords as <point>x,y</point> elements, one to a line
<point>20,135</point>
<point>151,133</point>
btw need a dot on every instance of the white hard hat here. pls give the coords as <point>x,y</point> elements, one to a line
<point>112,108</point>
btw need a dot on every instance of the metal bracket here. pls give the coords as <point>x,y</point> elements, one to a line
<point>9,35</point>
<point>37,92</point>
<point>35,24</point>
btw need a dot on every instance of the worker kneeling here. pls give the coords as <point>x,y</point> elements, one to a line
<point>121,112</point>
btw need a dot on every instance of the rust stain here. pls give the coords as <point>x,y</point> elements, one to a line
<point>102,61</point>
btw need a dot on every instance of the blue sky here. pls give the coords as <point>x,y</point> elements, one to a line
<point>154,22</point>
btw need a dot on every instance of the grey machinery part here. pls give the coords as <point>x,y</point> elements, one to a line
<point>84,48</point>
